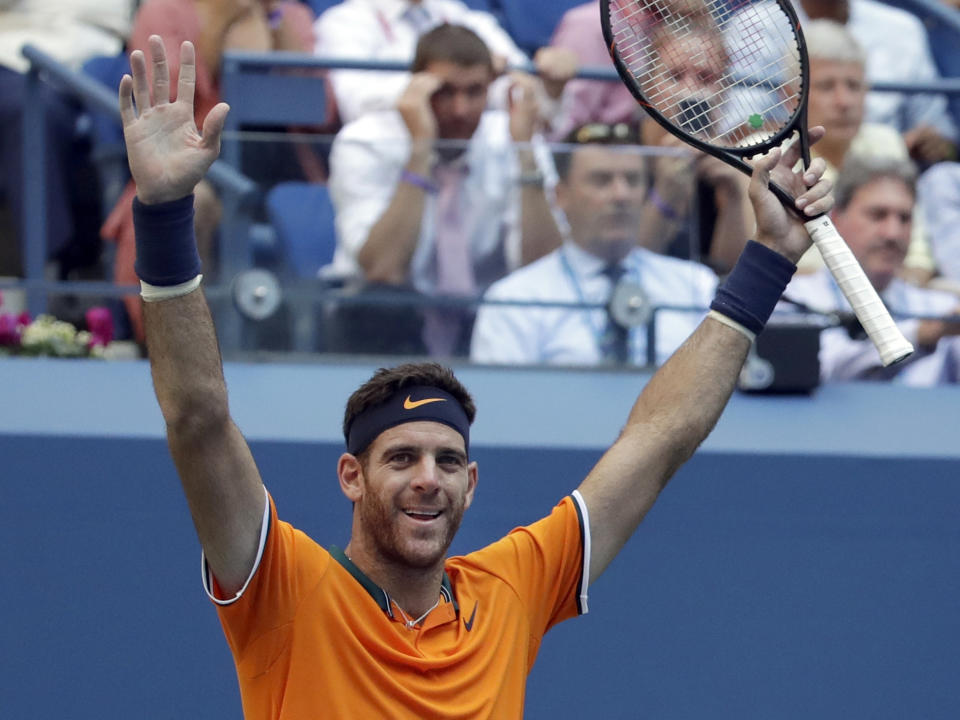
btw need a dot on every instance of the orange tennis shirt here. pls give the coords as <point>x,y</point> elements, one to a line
<point>313,637</point>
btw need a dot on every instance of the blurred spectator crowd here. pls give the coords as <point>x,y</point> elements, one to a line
<point>491,204</point>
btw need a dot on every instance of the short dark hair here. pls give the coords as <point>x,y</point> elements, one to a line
<point>861,170</point>
<point>451,43</point>
<point>387,381</point>
<point>596,133</point>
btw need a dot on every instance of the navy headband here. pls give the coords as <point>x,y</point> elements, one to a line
<point>408,404</point>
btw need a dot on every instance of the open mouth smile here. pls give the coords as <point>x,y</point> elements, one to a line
<point>422,515</point>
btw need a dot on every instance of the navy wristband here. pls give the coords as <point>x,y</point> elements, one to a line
<point>753,289</point>
<point>166,245</point>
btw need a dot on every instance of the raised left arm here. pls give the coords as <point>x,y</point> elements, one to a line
<point>684,399</point>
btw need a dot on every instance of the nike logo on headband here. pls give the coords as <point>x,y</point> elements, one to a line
<point>409,404</point>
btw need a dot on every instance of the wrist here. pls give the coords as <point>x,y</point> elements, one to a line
<point>526,160</point>
<point>165,242</point>
<point>531,178</point>
<point>754,286</point>
<point>418,180</point>
<point>422,157</point>
<point>771,244</point>
<point>147,199</point>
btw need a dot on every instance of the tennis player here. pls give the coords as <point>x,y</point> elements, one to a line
<point>389,627</point>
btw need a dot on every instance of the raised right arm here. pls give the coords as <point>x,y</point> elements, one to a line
<point>387,252</point>
<point>168,157</point>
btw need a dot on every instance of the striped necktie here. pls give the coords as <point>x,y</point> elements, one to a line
<point>615,340</point>
<point>452,232</point>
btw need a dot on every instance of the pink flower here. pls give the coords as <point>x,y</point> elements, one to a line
<point>11,327</point>
<point>8,331</point>
<point>100,325</point>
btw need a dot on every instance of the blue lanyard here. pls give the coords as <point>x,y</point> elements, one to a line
<point>589,315</point>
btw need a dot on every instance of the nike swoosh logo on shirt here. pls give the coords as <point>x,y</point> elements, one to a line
<point>468,624</point>
<point>409,404</point>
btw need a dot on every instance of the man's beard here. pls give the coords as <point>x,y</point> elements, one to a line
<point>382,524</point>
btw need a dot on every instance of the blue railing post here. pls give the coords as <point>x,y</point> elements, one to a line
<point>33,161</point>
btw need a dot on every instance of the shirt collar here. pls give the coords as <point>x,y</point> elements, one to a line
<point>380,596</point>
<point>586,264</point>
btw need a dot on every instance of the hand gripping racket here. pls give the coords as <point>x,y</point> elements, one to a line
<point>731,78</point>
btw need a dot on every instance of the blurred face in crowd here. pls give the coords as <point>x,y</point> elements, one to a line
<point>876,224</point>
<point>461,98</point>
<point>836,101</point>
<point>693,67</point>
<point>836,10</point>
<point>602,196</point>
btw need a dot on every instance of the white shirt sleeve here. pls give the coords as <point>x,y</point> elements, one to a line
<point>843,358</point>
<point>362,183</point>
<point>350,31</point>
<point>505,334</point>
<point>938,192</point>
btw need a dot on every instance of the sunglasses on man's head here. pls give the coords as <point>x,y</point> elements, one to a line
<point>606,132</point>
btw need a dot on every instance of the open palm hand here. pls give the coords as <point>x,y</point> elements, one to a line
<point>167,155</point>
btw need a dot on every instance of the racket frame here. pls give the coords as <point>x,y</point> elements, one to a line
<point>866,302</point>
<point>797,123</point>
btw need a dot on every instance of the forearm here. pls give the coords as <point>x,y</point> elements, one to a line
<point>218,474</point>
<point>682,402</point>
<point>538,227</point>
<point>386,254</point>
<point>667,205</point>
<point>734,223</point>
<point>294,32</point>
<point>675,412</point>
<point>185,359</point>
<point>659,224</point>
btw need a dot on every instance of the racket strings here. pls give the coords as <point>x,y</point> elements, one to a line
<point>726,73</point>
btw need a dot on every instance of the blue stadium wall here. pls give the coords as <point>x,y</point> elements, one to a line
<point>805,563</point>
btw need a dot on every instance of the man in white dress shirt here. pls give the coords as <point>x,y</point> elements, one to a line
<point>440,196</point>
<point>898,50</point>
<point>939,192</point>
<point>388,30</point>
<point>873,213</point>
<point>602,190</point>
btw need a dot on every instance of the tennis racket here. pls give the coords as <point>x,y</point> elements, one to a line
<point>731,78</point>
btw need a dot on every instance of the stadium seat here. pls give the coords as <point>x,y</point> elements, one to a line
<point>262,95</point>
<point>302,216</point>
<point>531,22</point>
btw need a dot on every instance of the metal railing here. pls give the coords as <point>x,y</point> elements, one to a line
<point>242,192</point>
<point>266,61</point>
<point>94,96</point>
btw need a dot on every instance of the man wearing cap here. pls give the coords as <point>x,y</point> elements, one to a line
<point>390,627</point>
<point>603,192</point>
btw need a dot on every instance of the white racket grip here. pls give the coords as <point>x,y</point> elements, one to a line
<point>863,298</point>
